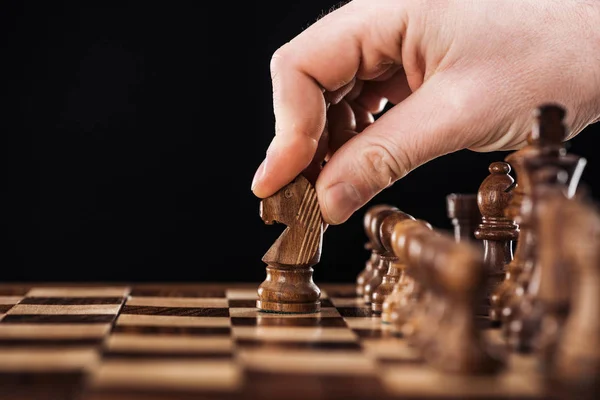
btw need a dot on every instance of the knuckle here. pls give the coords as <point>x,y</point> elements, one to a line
<point>278,59</point>
<point>382,167</point>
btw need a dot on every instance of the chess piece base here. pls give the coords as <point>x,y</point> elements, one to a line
<point>289,308</point>
<point>289,290</point>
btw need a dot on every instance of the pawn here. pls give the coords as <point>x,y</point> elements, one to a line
<point>463,211</point>
<point>404,286</point>
<point>395,266</point>
<point>496,230</point>
<point>382,265</point>
<point>367,273</point>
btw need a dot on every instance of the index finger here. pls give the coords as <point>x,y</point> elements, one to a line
<point>327,56</point>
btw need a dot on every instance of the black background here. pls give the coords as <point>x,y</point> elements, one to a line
<point>134,132</point>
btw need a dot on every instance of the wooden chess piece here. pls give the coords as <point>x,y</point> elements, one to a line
<point>496,231</point>
<point>457,273</point>
<point>402,291</point>
<point>576,362</point>
<point>382,266</point>
<point>402,306</point>
<point>463,211</point>
<point>395,266</point>
<point>547,149</point>
<point>288,286</point>
<point>367,273</point>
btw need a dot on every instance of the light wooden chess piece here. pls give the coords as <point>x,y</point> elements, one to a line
<point>395,265</point>
<point>398,310</point>
<point>405,284</point>
<point>367,273</point>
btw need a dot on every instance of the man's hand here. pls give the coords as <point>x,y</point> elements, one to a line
<point>460,74</point>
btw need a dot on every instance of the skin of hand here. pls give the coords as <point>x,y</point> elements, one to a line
<point>458,74</point>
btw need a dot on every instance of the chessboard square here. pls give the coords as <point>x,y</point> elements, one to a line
<point>177,302</point>
<point>256,313</point>
<point>242,303</point>
<point>175,311</point>
<point>300,321</point>
<point>175,321</point>
<point>242,294</point>
<point>27,359</point>
<point>305,334</point>
<point>345,302</point>
<point>364,323</point>
<point>5,307</point>
<point>173,330</point>
<point>72,300</point>
<point>391,350</point>
<point>309,362</point>
<point>58,318</point>
<point>287,345</point>
<point>78,292</point>
<point>168,344</point>
<point>168,291</point>
<point>423,381</point>
<point>353,312</point>
<point>10,300</point>
<point>41,309</point>
<point>173,375</point>
<point>53,331</point>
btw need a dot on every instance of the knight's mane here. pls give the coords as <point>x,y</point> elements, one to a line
<point>309,217</point>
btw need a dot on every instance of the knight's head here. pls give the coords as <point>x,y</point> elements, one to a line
<point>284,205</point>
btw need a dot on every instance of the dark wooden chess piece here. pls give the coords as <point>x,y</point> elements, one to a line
<point>395,266</point>
<point>496,231</point>
<point>384,259</point>
<point>463,211</point>
<point>289,286</point>
<point>575,369</point>
<point>367,273</point>
<point>547,134</point>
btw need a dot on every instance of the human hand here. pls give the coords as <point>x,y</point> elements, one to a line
<point>460,74</point>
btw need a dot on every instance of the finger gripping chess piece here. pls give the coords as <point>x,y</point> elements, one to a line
<point>395,267</point>
<point>289,287</point>
<point>367,273</point>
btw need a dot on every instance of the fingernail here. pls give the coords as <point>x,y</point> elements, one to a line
<point>258,174</point>
<point>341,200</point>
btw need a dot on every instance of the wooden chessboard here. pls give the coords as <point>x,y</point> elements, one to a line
<point>171,341</point>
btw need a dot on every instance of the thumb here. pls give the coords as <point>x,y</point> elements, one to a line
<point>431,122</point>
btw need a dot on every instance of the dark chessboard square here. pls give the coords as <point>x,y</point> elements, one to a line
<point>270,385</point>
<point>174,330</point>
<point>368,333</point>
<point>202,292</point>
<point>326,303</point>
<point>14,290</point>
<point>58,318</point>
<point>297,345</point>
<point>242,303</point>
<point>287,321</point>
<point>5,307</point>
<point>72,300</point>
<point>176,311</point>
<point>45,385</point>
<point>355,312</point>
